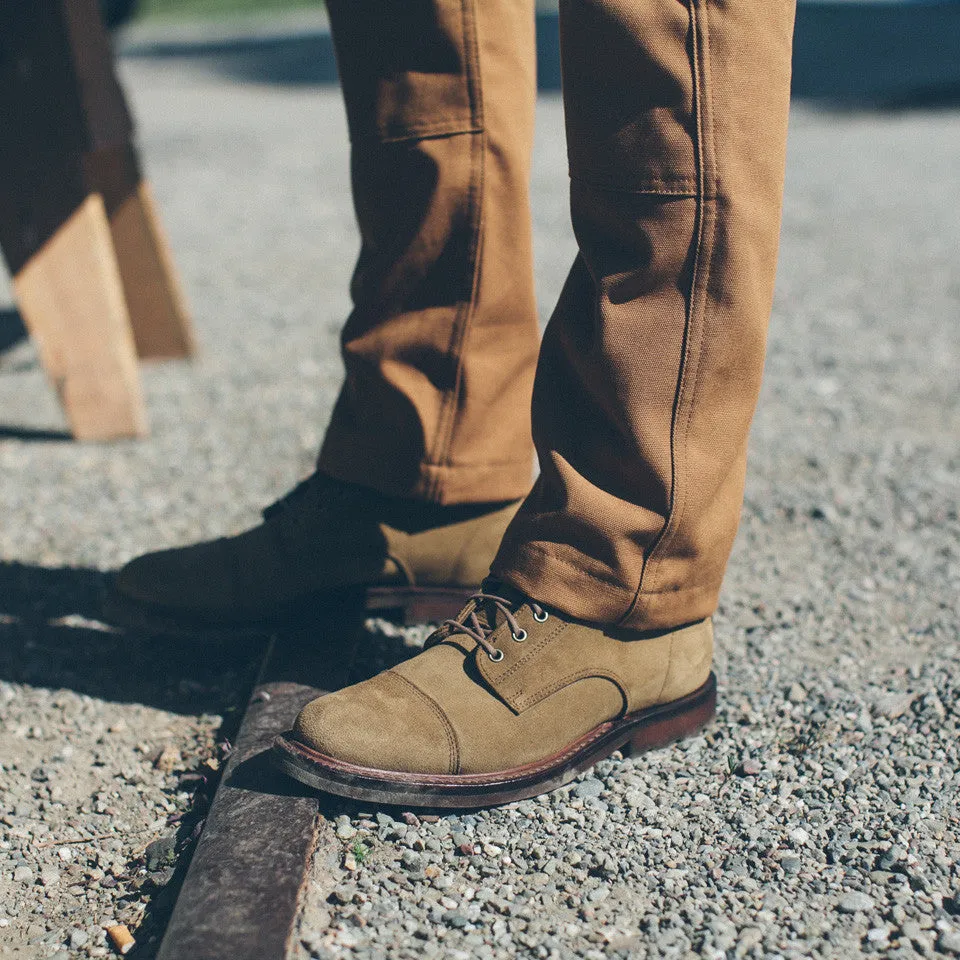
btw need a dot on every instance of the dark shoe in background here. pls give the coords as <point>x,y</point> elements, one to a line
<point>415,559</point>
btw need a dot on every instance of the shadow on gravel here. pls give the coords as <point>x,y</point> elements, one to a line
<point>259,775</point>
<point>12,334</point>
<point>50,636</point>
<point>32,435</point>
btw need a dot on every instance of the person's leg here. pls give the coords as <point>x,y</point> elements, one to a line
<point>650,367</point>
<point>429,448</point>
<point>441,346</point>
<point>598,632</point>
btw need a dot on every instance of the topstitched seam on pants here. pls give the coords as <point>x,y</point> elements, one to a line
<point>553,558</point>
<point>447,418</point>
<point>710,221</point>
<point>454,465</point>
<point>701,588</point>
<point>695,345</point>
<point>680,186</point>
<point>710,586</point>
<point>438,131</point>
<point>677,489</point>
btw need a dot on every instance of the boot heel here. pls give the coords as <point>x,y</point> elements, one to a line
<point>689,717</point>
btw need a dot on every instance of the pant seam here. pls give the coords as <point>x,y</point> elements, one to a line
<point>447,418</point>
<point>485,462</point>
<point>691,354</point>
<point>671,187</point>
<point>436,131</point>
<point>553,558</point>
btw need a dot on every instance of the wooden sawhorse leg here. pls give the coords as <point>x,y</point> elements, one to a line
<point>71,299</point>
<point>91,271</point>
<point>158,313</point>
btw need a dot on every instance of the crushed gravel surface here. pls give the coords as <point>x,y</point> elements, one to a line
<point>820,815</point>
<point>817,817</point>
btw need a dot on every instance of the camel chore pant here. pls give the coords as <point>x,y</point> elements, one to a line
<point>648,376</point>
<point>441,346</point>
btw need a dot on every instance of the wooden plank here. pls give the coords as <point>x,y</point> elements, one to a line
<point>71,299</point>
<point>158,313</point>
<point>241,896</point>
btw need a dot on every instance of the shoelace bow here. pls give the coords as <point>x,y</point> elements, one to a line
<point>480,631</point>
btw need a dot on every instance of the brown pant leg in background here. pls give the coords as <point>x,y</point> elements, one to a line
<point>650,369</point>
<point>441,346</point>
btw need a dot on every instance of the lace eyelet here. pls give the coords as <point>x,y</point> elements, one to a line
<point>496,659</point>
<point>519,637</point>
<point>541,617</point>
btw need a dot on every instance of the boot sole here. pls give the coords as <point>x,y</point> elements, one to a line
<point>405,605</point>
<point>636,733</point>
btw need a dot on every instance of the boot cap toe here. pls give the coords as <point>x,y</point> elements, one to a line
<point>386,723</point>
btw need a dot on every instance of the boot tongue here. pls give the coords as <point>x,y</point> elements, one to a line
<point>488,613</point>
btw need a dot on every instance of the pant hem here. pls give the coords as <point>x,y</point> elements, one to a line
<point>585,595</point>
<point>446,484</point>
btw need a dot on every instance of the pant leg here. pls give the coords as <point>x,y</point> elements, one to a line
<point>650,368</point>
<point>441,346</point>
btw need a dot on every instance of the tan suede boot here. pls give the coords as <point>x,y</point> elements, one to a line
<point>416,558</point>
<point>508,701</point>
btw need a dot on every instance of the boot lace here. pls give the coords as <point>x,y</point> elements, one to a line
<point>480,631</point>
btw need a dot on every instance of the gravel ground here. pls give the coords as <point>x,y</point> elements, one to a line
<point>817,817</point>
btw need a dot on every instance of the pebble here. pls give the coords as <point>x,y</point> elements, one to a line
<point>949,942</point>
<point>855,902</point>
<point>160,853</point>
<point>345,831</point>
<point>590,787</point>
<point>893,705</point>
